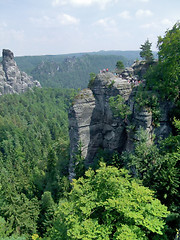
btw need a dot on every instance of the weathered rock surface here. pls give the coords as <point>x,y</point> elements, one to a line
<point>12,80</point>
<point>93,126</point>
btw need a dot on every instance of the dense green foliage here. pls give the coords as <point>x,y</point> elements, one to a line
<point>33,158</point>
<point>165,76</point>
<point>159,169</point>
<point>156,166</point>
<point>109,204</point>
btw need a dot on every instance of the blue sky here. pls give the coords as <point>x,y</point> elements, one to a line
<point>38,27</point>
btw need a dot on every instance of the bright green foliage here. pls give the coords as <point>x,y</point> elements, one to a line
<point>146,52</point>
<point>109,204</point>
<point>165,77</point>
<point>177,124</point>
<point>119,107</point>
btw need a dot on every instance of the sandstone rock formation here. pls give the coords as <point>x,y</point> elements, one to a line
<point>93,126</point>
<point>12,80</point>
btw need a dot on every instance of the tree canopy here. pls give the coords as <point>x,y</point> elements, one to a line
<point>109,204</point>
<point>36,200</point>
<point>120,65</point>
<point>165,76</point>
<point>33,158</point>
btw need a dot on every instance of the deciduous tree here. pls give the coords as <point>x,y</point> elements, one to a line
<point>109,204</point>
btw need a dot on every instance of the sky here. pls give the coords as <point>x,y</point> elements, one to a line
<point>40,27</point>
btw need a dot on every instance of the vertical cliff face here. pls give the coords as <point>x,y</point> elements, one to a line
<point>91,121</point>
<point>93,126</point>
<point>12,80</point>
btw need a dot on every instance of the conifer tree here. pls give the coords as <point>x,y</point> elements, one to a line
<point>146,52</point>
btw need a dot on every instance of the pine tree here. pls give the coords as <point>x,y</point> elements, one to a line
<point>146,52</point>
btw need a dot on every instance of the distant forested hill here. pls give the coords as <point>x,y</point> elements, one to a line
<point>72,70</point>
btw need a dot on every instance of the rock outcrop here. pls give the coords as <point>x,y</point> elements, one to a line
<point>12,80</point>
<point>92,125</point>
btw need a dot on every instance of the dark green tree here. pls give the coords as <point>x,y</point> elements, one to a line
<point>146,52</point>
<point>119,66</point>
<point>165,76</point>
<point>46,216</point>
<point>21,213</point>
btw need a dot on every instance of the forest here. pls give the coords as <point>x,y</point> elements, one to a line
<point>68,71</point>
<point>128,196</point>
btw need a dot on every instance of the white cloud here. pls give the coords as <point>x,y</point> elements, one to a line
<point>42,21</point>
<point>102,22</point>
<point>66,19</point>
<point>107,24</point>
<point>143,13</point>
<point>149,25</point>
<point>3,25</point>
<point>58,3</point>
<point>8,36</point>
<point>167,22</point>
<point>125,15</point>
<point>83,3</point>
<point>162,24</point>
<point>61,19</point>
<point>143,1</point>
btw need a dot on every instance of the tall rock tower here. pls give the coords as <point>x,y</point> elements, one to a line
<point>93,126</point>
<point>12,80</point>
